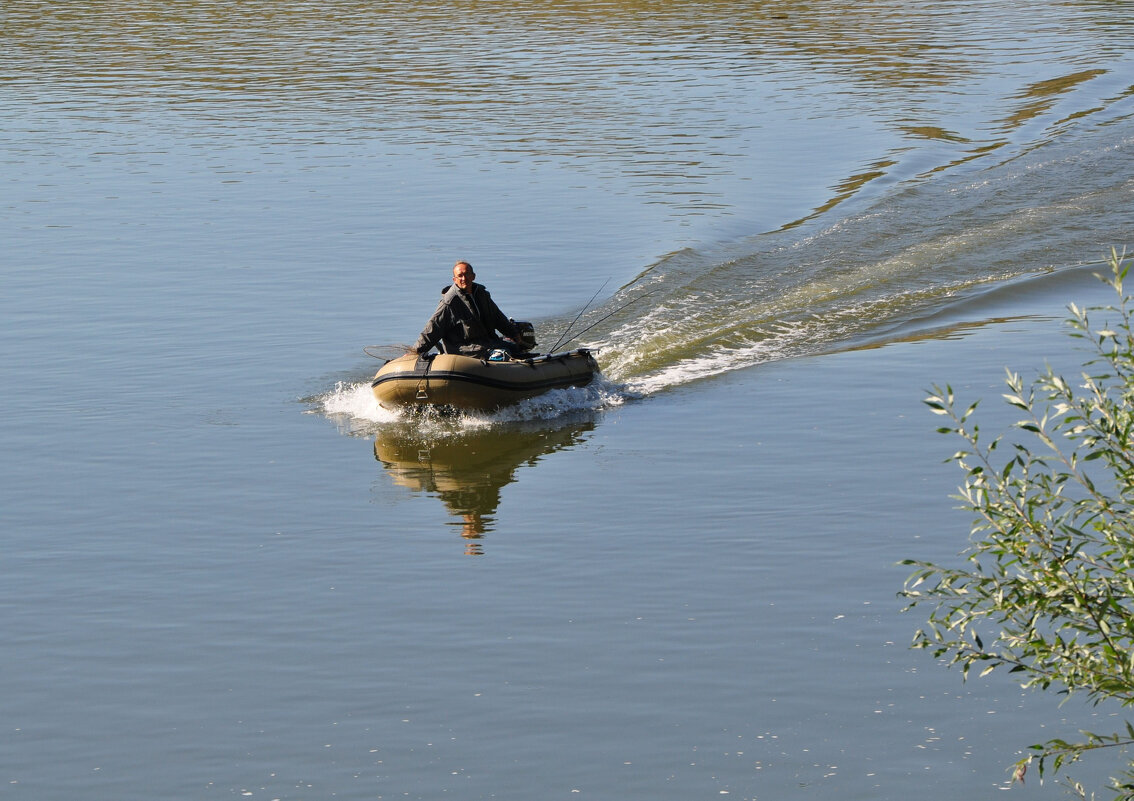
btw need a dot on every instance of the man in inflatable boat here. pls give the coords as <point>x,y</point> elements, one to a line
<point>467,319</point>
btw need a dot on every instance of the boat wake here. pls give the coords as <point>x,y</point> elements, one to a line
<point>927,248</point>
<point>960,246</point>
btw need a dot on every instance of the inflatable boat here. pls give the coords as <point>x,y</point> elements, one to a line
<point>465,382</point>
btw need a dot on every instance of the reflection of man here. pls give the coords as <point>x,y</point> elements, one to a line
<point>473,501</point>
<point>474,525</point>
<point>473,530</point>
<point>467,319</point>
<point>468,472</point>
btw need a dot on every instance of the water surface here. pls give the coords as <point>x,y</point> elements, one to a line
<point>227,572</point>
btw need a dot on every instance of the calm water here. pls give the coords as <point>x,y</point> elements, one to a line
<point>226,572</point>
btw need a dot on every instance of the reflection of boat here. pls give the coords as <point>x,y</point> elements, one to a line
<point>467,470</point>
<point>464,382</point>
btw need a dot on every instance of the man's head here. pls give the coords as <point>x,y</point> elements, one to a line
<point>463,275</point>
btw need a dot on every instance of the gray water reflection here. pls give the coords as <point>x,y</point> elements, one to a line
<point>467,470</point>
<point>679,100</point>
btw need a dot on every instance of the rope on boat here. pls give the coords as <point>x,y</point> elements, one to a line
<point>386,352</point>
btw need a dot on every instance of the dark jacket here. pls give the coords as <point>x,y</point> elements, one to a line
<point>465,322</point>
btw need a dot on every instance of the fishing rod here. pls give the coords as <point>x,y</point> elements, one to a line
<point>559,341</point>
<point>605,317</point>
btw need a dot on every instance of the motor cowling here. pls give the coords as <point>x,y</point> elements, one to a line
<point>527,339</point>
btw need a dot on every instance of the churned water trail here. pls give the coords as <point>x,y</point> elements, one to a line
<point>910,253</point>
<point>924,247</point>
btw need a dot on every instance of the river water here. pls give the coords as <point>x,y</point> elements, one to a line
<point>227,573</point>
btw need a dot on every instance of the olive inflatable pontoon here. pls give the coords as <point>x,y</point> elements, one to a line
<point>465,382</point>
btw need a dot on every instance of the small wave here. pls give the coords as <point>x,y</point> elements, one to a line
<point>599,395</point>
<point>355,401</point>
<point>354,409</point>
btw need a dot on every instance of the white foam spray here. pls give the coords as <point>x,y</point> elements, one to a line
<point>354,409</point>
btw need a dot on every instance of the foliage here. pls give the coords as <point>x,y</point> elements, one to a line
<point>1047,591</point>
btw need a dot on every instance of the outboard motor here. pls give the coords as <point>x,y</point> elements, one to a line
<point>527,339</point>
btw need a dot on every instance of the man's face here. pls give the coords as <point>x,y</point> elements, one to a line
<point>463,276</point>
